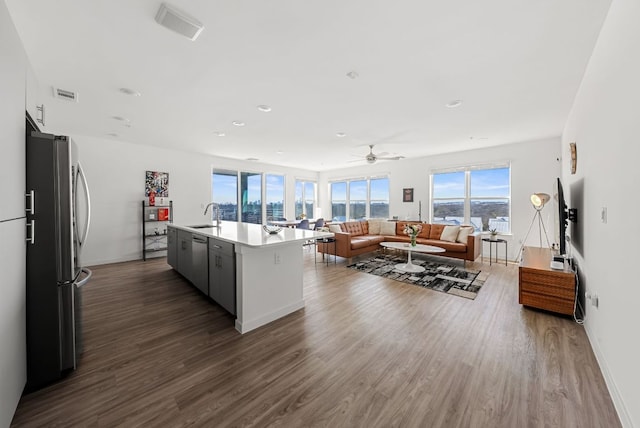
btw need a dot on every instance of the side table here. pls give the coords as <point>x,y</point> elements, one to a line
<point>495,241</point>
<point>325,241</point>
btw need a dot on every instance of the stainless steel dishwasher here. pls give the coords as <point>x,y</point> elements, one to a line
<point>200,262</point>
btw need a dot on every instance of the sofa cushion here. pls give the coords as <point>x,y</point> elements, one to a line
<point>388,228</point>
<point>436,231</point>
<point>365,241</point>
<point>464,233</point>
<point>352,227</point>
<point>450,233</point>
<point>374,227</point>
<point>426,229</point>
<point>335,228</point>
<point>454,247</point>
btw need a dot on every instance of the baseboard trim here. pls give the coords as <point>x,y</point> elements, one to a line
<point>618,402</point>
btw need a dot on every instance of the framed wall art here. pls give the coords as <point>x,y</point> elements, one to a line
<point>158,182</point>
<point>407,195</point>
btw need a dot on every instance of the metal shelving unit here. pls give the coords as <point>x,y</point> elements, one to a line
<point>155,238</point>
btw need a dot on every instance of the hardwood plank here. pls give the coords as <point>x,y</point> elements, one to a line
<point>365,351</point>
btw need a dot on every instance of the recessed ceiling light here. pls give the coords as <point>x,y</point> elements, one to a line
<point>279,152</point>
<point>454,104</point>
<point>340,134</point>
<point>237,123</point>
<point>130,91</point>
<point>220,134</point>
<point>352,75</point>
<point>264,108</point>
<point>252,159</point>
<point>120,118</point>
<point>112,134</point>
<point>478,138</point>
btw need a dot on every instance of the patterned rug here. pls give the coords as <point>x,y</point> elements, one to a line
<point>438,276</point>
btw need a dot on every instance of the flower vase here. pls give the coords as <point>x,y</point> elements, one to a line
<point>413,240</point>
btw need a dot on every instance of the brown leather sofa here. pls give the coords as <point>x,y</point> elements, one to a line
<point>355,239</point>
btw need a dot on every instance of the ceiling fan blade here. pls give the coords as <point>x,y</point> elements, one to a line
<point>391,158</point>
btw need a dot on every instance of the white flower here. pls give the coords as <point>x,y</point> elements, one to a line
<point>412,229</point>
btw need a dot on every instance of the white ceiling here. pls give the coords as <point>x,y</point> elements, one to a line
<point>515,64</point>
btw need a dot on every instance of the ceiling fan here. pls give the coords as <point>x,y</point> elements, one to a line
<point>373,157</point>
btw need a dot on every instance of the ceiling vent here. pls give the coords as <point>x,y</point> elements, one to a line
<point>179,22</point>
<point>63,94</point>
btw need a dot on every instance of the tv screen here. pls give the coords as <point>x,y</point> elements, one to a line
<point>563,219</point>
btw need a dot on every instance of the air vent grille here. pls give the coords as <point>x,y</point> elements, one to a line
<point>179,22</point>
<point>64,94</point>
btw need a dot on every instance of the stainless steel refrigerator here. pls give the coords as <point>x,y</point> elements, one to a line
<point>58,212</point>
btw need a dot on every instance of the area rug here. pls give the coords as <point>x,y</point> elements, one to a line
<point>438,276</point>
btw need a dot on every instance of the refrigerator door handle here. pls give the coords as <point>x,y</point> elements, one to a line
<point>88,203</point>
<point>32,203</point>
<point>31,239</point>
<point>84,280</point>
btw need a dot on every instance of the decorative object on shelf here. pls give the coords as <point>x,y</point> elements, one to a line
<point>493,234</point>
<point>412,231</point>
<point>157,182</point>
<point>407,195</point>
<point>271,229</point>
<point>574,157</point>
<point>152,198</point>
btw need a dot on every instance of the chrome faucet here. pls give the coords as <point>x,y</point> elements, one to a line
<point>217,208</point>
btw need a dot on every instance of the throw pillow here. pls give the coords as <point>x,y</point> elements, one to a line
<point>388,228</point>
<point>374,227</point>
<point>464,233</point>
<point>334,228</point>
<point>450,233</point>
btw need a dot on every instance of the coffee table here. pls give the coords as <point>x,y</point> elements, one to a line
<point>419,248</point>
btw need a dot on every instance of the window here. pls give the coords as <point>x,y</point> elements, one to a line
<point>477,196</point>
<point>339,201</point>
<point>224,185</point>
<point>274,196</point>
<point>305,198</point>
<point>360,198</point>
<point>379,198</point>
<point>251,194</point>
<point>357,199</point>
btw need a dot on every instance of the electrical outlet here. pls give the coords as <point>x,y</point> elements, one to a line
<point>276,258</point>
<point>603,215</point>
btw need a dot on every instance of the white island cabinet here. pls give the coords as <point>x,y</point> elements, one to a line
<point>268,269</point>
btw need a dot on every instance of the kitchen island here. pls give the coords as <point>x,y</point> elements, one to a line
<point>254,275</point>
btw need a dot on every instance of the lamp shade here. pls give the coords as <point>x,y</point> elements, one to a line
<point>539,199</point>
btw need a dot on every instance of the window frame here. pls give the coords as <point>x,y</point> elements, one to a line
<point>467,198</point>
<point>347,201</point>
<point>304,197</point>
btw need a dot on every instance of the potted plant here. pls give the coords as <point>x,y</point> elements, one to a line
<point>412,230</point>
<point>493,234</point>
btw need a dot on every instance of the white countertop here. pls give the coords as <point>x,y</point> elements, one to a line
<point>252,234</point>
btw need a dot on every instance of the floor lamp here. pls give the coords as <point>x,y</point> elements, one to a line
<point>538,200</point>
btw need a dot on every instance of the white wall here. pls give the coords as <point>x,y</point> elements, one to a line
<point>12,222</point>
<point>534,168</point>
<point>604,124</point>
<point>115,172</point>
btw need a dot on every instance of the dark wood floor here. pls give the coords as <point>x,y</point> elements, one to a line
<point>364,352</point>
